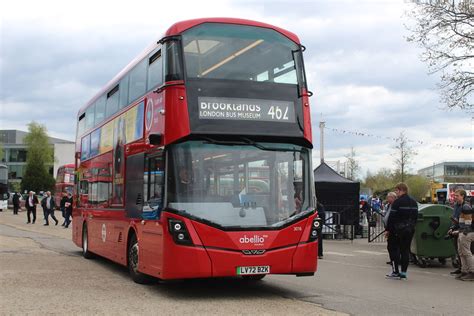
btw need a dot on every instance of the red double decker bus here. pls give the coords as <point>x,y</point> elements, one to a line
<point>195,160</point>
<point>64,181</point>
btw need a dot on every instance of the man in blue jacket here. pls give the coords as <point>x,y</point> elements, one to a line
<point>400,230</point>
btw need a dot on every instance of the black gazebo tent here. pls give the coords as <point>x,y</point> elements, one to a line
<point>337,194</point>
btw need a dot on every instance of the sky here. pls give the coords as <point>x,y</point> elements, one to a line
<point>368,82</point>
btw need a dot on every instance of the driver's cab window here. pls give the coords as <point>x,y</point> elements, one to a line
<point>154,182</point>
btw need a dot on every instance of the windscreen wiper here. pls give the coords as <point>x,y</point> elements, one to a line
<point>262,147</point>
<point>247,141</point>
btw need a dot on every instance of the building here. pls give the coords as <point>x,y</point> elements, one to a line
<point>454,172</point>
<point>15,153</point>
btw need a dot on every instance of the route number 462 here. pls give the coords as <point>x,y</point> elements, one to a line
<point>277,113</point>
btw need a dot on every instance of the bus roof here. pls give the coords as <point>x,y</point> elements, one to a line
<point>176,29</point>
<point>182,26</point>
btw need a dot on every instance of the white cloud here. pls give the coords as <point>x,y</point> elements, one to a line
<point>366,77</point>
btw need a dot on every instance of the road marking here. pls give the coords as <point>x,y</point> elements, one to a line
<point>371,252</point>
<point>338,254</point>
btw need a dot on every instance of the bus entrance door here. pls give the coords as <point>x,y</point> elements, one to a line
<point>134,192</point>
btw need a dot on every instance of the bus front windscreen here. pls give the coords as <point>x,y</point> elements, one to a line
<point>238,52</point>
<point>239,185</point>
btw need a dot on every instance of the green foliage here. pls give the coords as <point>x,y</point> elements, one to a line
<point>15,186</point>
<point>39,155</point>
<point>2,153</point>
<point>382,181</point>
<point>418,186</point>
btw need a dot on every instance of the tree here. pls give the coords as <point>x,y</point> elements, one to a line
<point>445,30</point>
<point>382,181</point>
<point>403,156</point>
<point>418,186</point>
<point>2,154</point>
<point>39,155</point>
<point>352,164</point>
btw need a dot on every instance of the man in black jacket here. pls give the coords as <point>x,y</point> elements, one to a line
<point>16,202</point>
<point>48,208</point>
<point>400,228</point>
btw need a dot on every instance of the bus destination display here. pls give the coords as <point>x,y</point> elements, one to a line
<point>211,108</point>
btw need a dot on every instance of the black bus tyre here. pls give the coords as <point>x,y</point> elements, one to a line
<point>85,244</point>
<point>256,277</point>
<point>132,262</point>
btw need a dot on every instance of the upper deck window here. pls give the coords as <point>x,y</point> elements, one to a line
<point>155,69</point>
<point>112,101</point>
<point>100,110</point>
<point>90,115</point>
<point>137,84</point>
<point>238,52</point>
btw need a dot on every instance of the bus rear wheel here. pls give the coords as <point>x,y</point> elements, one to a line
<point>133,260</point>
<point>85,244</point>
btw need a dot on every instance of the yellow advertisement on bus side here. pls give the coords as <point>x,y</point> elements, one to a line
<point>106,137</point>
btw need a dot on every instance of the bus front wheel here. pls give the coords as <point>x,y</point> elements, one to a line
<point>132,260</point>
<point>85,244</point>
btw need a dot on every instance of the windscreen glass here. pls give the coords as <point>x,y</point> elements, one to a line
<point>239,185</point>
<point>238,52</point>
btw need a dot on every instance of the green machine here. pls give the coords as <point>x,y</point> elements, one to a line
<point>429,241</point>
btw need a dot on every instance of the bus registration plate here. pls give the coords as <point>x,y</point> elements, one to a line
<point>253,270</point>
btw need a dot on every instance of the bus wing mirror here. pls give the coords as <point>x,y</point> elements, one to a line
<point>155,139</point>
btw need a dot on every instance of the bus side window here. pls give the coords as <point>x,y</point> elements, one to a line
<point>154,187</point>
<point>83,193</point>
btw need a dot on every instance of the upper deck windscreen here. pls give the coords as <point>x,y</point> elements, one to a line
<point>239,52</point>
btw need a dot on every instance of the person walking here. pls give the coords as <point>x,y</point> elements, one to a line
<point>391,197</point>
<point>62,207</point>
<point>16,202</point>
<point>48,207</point>
<point>465,234</point>
<point>68,206</point>
<point>322,216</point>
<point>30,203</point>
<point>400,230</point>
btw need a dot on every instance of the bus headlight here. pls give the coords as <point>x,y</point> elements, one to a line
<point>178,230</point>
<point>315,229</point>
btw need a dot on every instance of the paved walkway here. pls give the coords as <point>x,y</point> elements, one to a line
<point>19,222</point>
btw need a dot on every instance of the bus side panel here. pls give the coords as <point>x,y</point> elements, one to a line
<point>305,258</point>
<point>184,262</point>
<point>177,117</point>
<point>150,238</point>
<point>77,222</point>
<point>107,231</point>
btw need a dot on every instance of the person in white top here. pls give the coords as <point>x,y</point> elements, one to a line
<point>30,203</point>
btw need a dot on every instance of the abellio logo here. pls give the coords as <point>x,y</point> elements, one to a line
<point>255,239</point>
